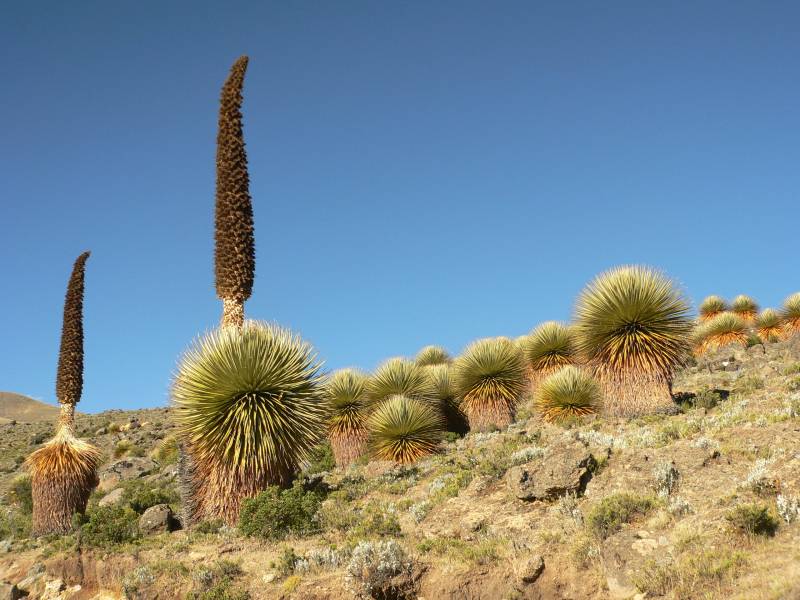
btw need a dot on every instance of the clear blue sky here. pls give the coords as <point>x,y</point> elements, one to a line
<point>422,172</point>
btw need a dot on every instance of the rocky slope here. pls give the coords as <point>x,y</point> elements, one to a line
<point>701,504</point>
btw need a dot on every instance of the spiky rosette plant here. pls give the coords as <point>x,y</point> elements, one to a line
<point>711,307</point>
<point>445,394</point>
<point>432,355</point>
<point>234,252</point>
<point>489,379</point>
<point>64,470</point>
<point>346,396</point>
<point>249,410</point>
<point>790,313</point>
<point>723,330</point>
<point>400,377</point>
<point>769,325</point>
<point>403,430</point>
<point>633,329</point>
<point>549,347</point>
<point>567,394</point>
<point>745,307</point>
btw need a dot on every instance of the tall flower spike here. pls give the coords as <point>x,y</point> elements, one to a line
<point>64,470</point>
<point>69,378</point>
<point>234,253</point>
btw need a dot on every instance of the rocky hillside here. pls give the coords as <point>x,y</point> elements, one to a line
<point>16,407</point>
<point>704,503</point>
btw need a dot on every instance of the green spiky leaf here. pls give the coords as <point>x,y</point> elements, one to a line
<point>769,325</point>
<point>346,395</point>
<point>250,398</point>
<point>745,307</point>
<point>489,378</point>
<point>400,377</point>
<point>566,394</point>
<point>632,320</point>
<point>711,306</point>
<point>432,355</point>
<point>720,331</point>
<point>549,347</point>
<point>404,430</point>
<point>790,313</point>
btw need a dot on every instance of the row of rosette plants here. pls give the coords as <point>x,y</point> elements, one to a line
<point>252,402</point>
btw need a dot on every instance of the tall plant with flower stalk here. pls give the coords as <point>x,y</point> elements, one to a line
<point>724,330</point>
<point>633,329</point>
<point>769,325</point>
<point>548,348</point>
<point>248,395</point>
<point>790,314</point>
<point>234,253</point>
<point>64,470</point>
<point>711,306</point>
<point>745,307</point>
<point>347,403</point>
<point>489,379</point>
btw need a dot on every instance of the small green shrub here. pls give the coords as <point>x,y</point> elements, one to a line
<point>753,340</point>
<point>14,524</point>
<point>375,521</point>
<point>286,561</point>
<point>276,513</point>
<point>121,448</point>
<point>609,516</point>
<point>108,526</point>
<point>792,369</point>
<point>793,385</point>
<point>707,399</point>
<point>140,496</point>
<point>749,383</point>
<point>752,519</point>
<point>19,493</point>
<point>321,459</point>
<point>208,526</point>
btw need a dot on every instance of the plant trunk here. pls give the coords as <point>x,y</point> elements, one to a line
<point>232,313</point>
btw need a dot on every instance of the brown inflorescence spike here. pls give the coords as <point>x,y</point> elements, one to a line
<point>69,380</point>
<point>234,252</point>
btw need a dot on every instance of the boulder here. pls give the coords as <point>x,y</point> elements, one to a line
<point>567,470</point>
<point>9,591</point>
<point>531,569</point>
<point>113,497</point>
<point>158,519</point>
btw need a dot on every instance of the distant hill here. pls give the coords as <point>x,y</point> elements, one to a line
<point>25,410</point>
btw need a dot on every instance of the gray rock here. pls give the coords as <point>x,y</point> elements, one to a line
<point>5,547</point>
<point>101,431</point>
<point>531,570</point>
<point>567,469</point>
<point>9,591</point>
<point>125,469</point>
<point>113,497</point>
<point>158,519</point>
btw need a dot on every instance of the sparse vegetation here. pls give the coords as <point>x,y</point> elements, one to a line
<point>752,519</point>
<point>613,511</point>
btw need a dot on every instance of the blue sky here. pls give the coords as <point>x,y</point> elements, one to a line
<point>421,172</point>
